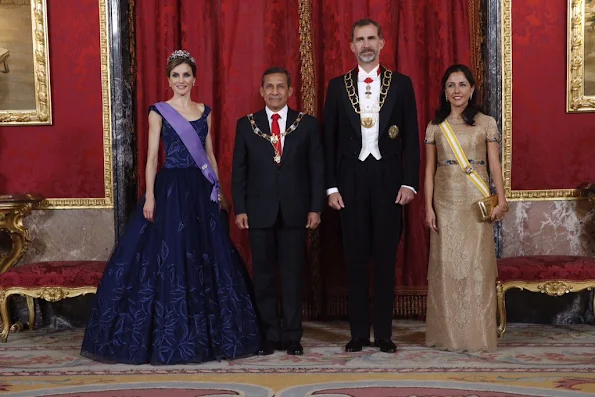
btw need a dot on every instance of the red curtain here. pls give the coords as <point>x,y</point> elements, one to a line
<point>234,41</point>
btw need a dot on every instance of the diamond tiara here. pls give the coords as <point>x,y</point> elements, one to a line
<point>181,54</point>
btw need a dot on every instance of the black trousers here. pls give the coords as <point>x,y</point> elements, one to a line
<point>372,225</point>
<point>284,248</point>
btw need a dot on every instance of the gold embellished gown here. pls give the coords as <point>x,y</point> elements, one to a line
<point>461,307</point>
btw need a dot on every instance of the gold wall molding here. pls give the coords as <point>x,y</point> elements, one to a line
<point>576,100</point>
<point>518,195</point>
<point>42,114</point>
<point>107,200</point>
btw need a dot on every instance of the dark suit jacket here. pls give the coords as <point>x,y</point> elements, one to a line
<point>342,129</point>
<point>260,187</point>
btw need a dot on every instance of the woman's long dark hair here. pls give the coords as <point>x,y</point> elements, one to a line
<point>472,107</point>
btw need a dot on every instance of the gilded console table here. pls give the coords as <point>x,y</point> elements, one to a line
<point>13,209</point>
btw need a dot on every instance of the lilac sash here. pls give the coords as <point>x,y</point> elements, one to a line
<point>191,140</point>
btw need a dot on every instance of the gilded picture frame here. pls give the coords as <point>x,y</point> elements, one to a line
<point>519,195</point>
<point>38,108</point>
<point>580,95</point>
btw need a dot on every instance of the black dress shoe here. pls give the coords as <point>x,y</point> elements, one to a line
<point>268,347</point>
<point>355,345</point>
<point>385,344</point>
<point>294,348</point>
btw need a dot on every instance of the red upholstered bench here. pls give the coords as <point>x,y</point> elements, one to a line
<point>51,281</point>
<point>548,274</point>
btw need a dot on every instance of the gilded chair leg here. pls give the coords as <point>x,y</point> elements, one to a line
<point>31,308</point>
<point>501,308</point>
<point>4,316</point>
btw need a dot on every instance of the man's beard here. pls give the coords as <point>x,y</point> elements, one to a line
<point>367,57</point>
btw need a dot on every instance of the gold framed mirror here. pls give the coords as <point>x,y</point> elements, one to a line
<point>25,95</point>
<point>580,96</point>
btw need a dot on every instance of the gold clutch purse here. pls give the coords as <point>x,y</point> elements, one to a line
<point>486,206</point>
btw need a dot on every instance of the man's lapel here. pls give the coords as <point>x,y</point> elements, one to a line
<point>262,121</point>
<point>387,94</point>
<point>351,88</point>
<point>289,139</point>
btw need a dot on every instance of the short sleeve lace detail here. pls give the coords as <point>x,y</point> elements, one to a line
<point>430,134</point>
<point>492,133</point>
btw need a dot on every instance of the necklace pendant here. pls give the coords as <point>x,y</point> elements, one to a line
<point>367,122</point>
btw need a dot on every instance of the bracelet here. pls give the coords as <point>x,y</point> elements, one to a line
<point>505,209</point>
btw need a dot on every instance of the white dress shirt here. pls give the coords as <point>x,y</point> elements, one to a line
<point>282,121</point>
<point>368,107</point>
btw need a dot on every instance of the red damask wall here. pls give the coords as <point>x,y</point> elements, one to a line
<point>551,149</point>
<point>64,160</point>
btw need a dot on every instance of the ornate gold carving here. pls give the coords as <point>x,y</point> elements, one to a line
<point>49,293</point>
<point>518,195</point>
<point>107,200</point>
<point>42,114</point>
<point>576,101</point>
<point>555,288</point>
<point>550,287</point>
<point>13,209</point>
<point>53,294</point>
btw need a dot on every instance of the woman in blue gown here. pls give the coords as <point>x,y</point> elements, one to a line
<point>174,290</point>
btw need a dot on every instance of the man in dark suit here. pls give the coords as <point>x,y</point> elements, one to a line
<point>371,142</point>
<point>278,194</point>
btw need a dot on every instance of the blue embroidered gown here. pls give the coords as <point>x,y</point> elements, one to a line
<point>174,290</point>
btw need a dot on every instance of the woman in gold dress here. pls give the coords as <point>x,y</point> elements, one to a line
<point>462,271</point>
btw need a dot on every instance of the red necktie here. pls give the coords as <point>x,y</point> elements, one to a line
<point>277,132</point>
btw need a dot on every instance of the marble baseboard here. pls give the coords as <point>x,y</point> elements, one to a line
<point>70,235</point>
<point>549,228</point>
